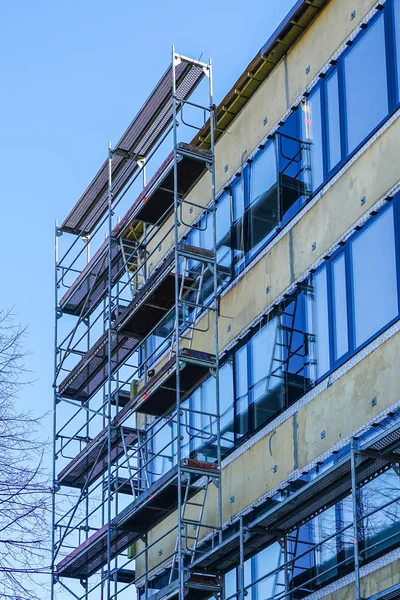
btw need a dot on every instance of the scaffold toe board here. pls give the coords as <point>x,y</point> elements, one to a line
<point>158,395</point>
<point>152,506</point>
<point>156,200</point>
<point>125,486</point>
<point>143,133</point>
<point>120,398</point>
<point>91,372</point>
<point>123,575</point>
<point>90,287</point>
<point>93,460</point>
<point>91,555</point>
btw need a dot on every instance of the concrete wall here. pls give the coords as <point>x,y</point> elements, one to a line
<point>374,583</point>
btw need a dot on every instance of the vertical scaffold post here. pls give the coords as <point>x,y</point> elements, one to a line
<point>241,565</point>
<point>286,567</point>
<point>109,368</point>
<point>87,416</point>
<point>215,293</point>
<point>353,459</point>
<point>178,404</point>
<point>53,498</point>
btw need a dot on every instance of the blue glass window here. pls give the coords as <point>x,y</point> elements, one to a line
<point>238,198</point>
<point>267,373</point>
<point>396,9</point>
<point>264,562</point>
<point>226,405</point>
<point>237,235</point>
<point>223,231</point>
<point>320,323</point>
<point>340,307</point>
<point>366,84</point>
<point>374,277</point>
<point>230,584</point>
<point>264,198</point>
<point>242,389</point>
<point>294,163</point>
<point>333,112</point>
<point>311,121</point>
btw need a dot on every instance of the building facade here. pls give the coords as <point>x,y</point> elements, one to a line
<point>238,361</point>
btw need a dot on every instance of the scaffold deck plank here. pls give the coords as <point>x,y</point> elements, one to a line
<point>157,296</point>
<point>89,289</point>
<point>157,198</point>
<point>91,372</point>
<point>93,459</point>
<point>158,396</point>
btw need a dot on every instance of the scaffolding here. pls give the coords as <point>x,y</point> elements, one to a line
<point>117,386</point>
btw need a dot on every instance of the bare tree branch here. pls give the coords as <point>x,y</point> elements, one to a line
<point>25,493</point>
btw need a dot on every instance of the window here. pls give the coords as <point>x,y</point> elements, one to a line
<point>381,526</point>
<point>226,405</point>
<point>242,392</point>
<point>333,118</point>
<point>374,277</point>
<point>295,340</point>
<point>267,560</point>
<point>341,341</point>
<point>294,174</point>
<point>396,9</point>
<point>366,84</point>
<point>264,198</point>
<point>320,322</point>
<point>230,584</point>
<point>311,121</point>
<point>161,449</point>
<point>237,234</point>
<point>223,230</point>
<point>267,373</point>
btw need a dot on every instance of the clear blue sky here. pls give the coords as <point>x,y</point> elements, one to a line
<point>73,75</point>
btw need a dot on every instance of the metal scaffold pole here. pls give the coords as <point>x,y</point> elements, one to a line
<point>216,299</point>
<point>109,370</point>
<point>53,499</point>
<point>177,306</point>
<point>354,492</point>
<point>241,561</point>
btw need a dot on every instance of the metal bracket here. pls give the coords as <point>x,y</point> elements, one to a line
<point>177,59</point>
<point>215,481</point>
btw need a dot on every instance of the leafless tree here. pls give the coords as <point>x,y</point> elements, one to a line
<point>24,490</point>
